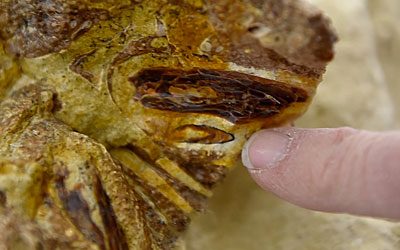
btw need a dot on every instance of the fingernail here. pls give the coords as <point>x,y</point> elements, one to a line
<point>266,149</point>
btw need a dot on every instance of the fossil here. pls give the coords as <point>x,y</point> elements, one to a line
<point>117,118</point>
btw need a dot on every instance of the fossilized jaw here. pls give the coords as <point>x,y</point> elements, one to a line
<point>162,94</point>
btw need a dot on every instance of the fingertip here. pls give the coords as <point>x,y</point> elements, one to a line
<point>265,155</point>
<point>266,149</point>
<point>335,170</point>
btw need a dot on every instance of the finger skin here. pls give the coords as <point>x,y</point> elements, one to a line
<point>335,170</point>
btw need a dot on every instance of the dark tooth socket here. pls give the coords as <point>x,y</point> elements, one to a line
<point>238,97</point>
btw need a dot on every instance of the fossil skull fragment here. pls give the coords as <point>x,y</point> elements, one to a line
<point>118,117</point>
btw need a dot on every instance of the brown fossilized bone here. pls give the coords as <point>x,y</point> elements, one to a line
<point>118,117</point>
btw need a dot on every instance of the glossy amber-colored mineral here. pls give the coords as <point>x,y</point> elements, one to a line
<point>118,117</point>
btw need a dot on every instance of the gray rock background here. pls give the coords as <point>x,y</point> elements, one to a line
<point>361,89</point>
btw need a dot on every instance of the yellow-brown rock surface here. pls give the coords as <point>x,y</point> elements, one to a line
<point>356,91</point>
<point>119,117</point>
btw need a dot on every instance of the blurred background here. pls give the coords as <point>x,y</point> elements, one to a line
<point>361,89</point>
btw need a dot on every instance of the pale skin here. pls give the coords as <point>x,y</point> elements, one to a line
<point>340,170</point>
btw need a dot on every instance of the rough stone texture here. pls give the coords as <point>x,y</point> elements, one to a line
<point>127,111</point>
<point>356,92</point>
